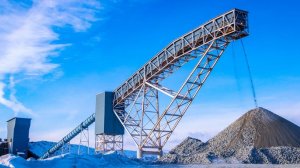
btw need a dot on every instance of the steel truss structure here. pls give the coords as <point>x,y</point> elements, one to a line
<point>84,141</point>
<point>64,149</point>
<point>105,143</point>
<point>136,102</point>
<point>65,140</point>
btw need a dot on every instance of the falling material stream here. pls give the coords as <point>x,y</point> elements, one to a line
<point>250,75</point>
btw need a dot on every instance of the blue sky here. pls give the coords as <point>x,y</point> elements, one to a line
<point>55,56</point>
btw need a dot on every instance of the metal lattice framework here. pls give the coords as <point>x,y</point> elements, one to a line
<point>66,139</point>
<point>84,141</point>
<point>64,149</point>
<point>105,143</point>
<point>136,102</point>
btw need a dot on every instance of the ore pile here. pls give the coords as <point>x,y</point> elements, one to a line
<point>259,136</point>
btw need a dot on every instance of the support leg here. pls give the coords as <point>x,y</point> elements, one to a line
<point>139,153</point>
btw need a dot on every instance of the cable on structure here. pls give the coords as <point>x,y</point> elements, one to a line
<point>236,70</point>
<point>250,75</point>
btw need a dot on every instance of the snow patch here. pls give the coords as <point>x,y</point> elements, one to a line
<point>40,147</point>
<point>71,160</point>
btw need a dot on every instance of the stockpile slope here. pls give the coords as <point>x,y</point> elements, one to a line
<point>259,136</point>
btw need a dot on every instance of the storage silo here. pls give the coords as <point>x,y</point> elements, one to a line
<point>18,136</point>
<point>106,122</point>
<point>108,129</point>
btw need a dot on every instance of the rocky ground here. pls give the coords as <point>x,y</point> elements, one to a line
<point>258,137</point>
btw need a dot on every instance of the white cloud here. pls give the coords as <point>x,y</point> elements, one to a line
<point>28,40</point>
<point>12,102</point>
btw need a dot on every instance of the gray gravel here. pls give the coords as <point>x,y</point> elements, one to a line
<point>227,166</point>
<point>258,137</point>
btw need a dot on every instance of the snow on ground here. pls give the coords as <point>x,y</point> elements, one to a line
<point>40,147</point>
<point>71,161</point>
<point>108,160</point>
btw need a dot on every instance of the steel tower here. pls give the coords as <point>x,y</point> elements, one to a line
<point>136,101</point>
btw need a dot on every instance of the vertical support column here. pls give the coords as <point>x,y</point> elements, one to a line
<point>140,147</point>
<point>149,115</point>
<point>159,133</point>
<point>65,148</point>
<point>105,143</point>
<point>84,140</point>
<point>139,153</point>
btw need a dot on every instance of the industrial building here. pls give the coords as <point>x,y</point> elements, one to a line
<point>17,137</point>
<point>108,129</point>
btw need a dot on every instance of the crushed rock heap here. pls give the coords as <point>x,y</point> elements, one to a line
<point>259,136</point>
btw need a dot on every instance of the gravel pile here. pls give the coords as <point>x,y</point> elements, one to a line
<point>188,146</point>
<point>258,137</point>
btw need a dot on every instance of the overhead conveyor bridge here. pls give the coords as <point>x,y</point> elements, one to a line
<point>136,101</point>
<point>233,23</point>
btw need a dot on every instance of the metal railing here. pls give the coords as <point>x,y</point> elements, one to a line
<point>233,22</point>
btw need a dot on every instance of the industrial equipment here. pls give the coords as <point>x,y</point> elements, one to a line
<point>18,136</point>
<point>108,130</point>
<point>136,101</point>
